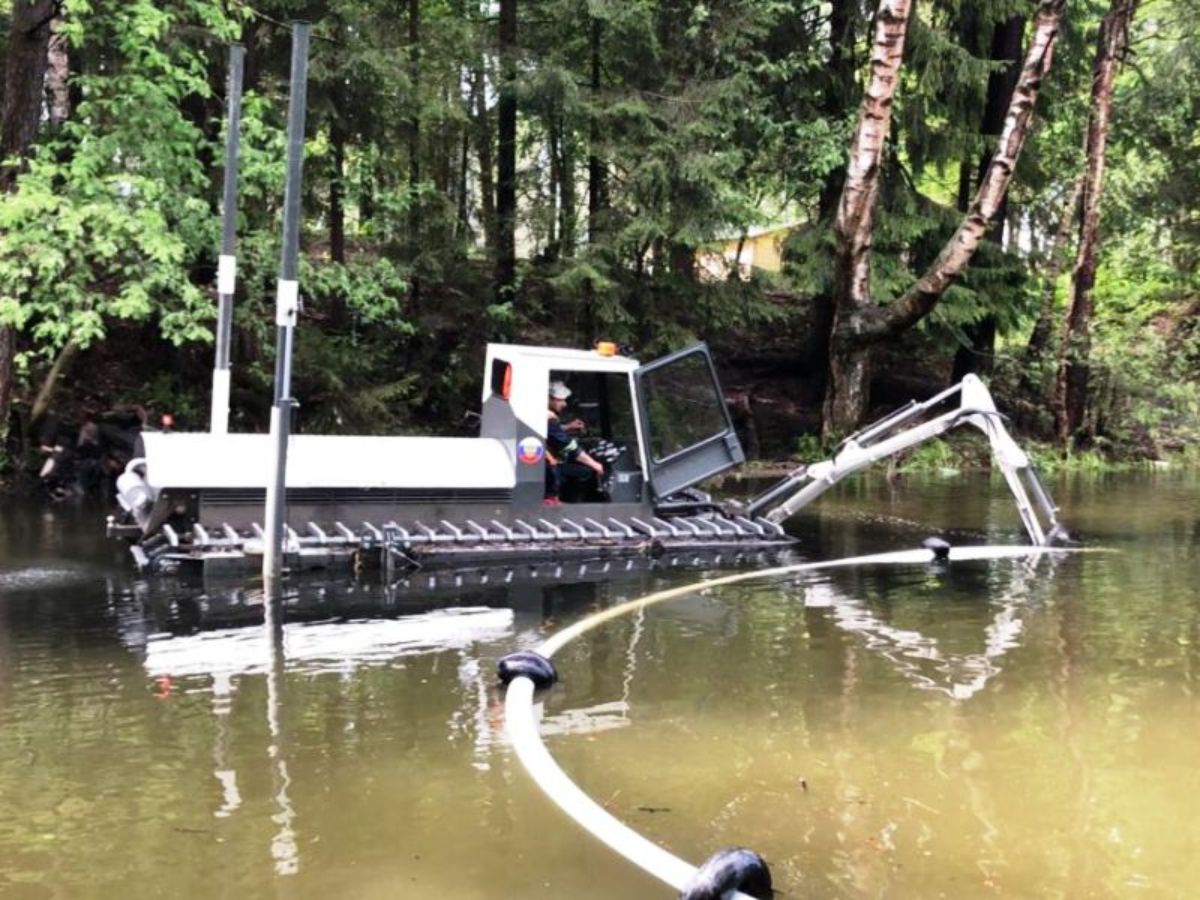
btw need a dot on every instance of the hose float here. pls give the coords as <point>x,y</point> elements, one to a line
<point>731,869</point>
<point>735,872</point>
<point>527,664</point>
<point>940,548</point>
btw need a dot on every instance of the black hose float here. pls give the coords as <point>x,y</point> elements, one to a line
<point>731,869</point>
<point>527,664</point>
<point>940,548</point>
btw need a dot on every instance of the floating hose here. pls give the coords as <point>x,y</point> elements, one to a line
<point>587,813</point>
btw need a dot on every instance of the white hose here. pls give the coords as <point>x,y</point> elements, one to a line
<point>527,741</point>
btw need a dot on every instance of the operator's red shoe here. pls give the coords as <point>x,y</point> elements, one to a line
<point>551,501</point>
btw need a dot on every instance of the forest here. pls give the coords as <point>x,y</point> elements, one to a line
<point>954,186</point>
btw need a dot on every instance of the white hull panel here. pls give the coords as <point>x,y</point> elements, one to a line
<point>203,461</point>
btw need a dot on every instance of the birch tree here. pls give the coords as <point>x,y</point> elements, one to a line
<point>859,323</point>
<point>846,391</point>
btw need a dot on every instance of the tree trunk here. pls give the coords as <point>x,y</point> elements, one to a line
<point>552,148</point>
<point>337,192</point>
<point>414,147</point>
<point>414,119</point>
<point>838,98</point>
<point>846,390</point>
<point>566,192</point>
<point>1039,338</point>
<point>463,226</point>
<point>980,356</point>
<point>58,76</point>
<point>1071,386</point>
<point>26,59</point>
<point>251,29</point>
<point>483,149</point>
<point>8,351</point>
<point>597,201</point>
<point>338,313</point>
<point>681,258</point>
<point>506,171</point>
<point>596,175</point>
<point>964,186</point>
<point>448,144</point>
<point>839,91</point>
<point>45,394</point>
<point>366,193</point>
<point>858,326</point>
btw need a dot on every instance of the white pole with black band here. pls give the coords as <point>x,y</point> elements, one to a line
<point>227,261</point>
<point>287,304</point>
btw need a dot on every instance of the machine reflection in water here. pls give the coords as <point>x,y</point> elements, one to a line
<point>195,636</point>
<point>920,658</point>
<point>284,850</point>
<point>208,639</point>
<point>315,647</point>
<point>246,638</point>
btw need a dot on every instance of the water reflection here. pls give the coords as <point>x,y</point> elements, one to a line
<point>316,647</point>
<point>224,640</point>
<point>920,658</point>
<point>283,845</point>
<point>222,704</point>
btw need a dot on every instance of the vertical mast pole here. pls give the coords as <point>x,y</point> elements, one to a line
<point>287,303</point>
<point>227,262</point>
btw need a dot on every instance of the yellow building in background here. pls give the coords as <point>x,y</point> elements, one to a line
<point>761,248</point>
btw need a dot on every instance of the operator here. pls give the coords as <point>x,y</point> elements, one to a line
<point>567,464</point>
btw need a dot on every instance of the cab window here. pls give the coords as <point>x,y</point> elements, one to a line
<point>683,405</point>
<point>603,401</point>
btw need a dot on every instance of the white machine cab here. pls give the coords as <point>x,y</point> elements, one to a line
<point>662,427</point>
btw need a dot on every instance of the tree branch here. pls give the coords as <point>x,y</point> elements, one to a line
<point>920,299</point>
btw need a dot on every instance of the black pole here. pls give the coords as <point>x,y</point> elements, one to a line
<point>227,262</point>
<point>286,306</point>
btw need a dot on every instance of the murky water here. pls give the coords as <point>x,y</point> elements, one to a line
<point>985,729</point>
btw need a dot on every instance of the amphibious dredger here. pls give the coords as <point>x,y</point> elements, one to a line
<point>194,502</point>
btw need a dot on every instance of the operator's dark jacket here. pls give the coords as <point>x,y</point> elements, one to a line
<point>561,445</point>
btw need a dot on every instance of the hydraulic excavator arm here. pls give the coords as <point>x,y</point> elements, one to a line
<point>911,425</point>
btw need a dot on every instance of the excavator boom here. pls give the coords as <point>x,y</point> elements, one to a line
<point>906,428</point>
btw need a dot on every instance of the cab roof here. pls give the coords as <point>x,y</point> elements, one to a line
<point>562,358</point>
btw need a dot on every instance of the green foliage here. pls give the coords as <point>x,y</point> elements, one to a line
<point>811,448</point>
<point>371,290</point>
<point>709,120</point>
<point>340,378</point>
<point>170,392</point>
<point>941,456</point>
<point>107,223</point>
